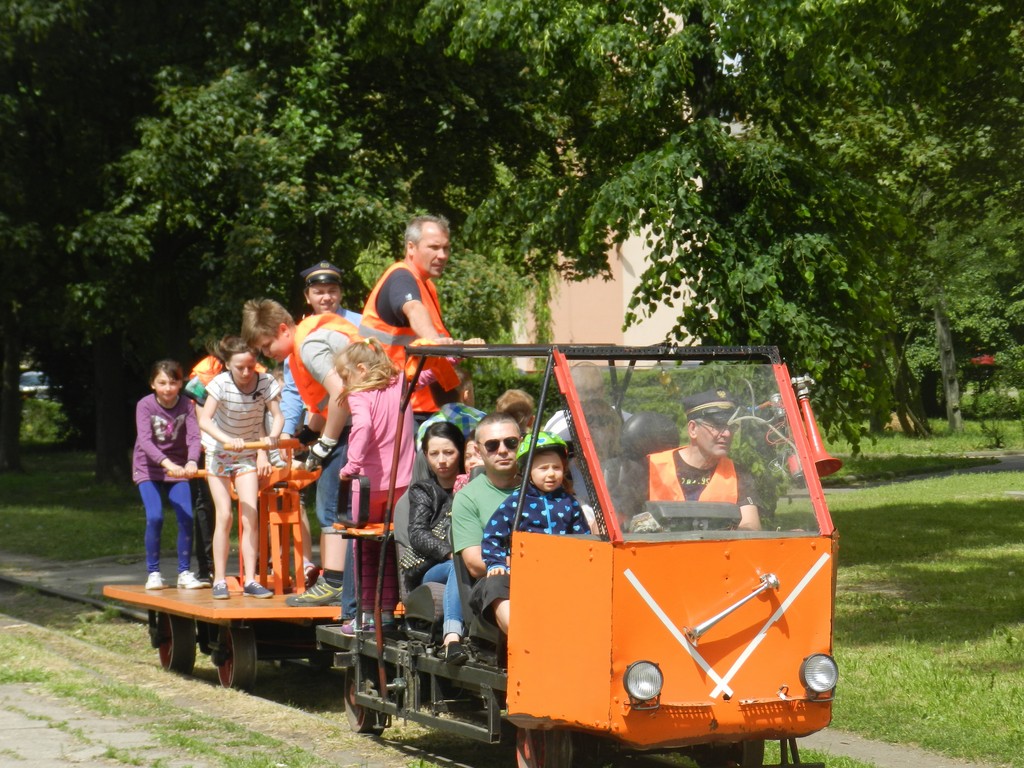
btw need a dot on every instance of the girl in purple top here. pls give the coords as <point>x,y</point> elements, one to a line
<point>165,456</point>
<point>374,390</point>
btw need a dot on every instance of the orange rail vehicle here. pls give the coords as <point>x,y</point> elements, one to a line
<point>696,617</point>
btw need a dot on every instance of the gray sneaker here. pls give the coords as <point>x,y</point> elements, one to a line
<point>321,593</point>
<point>255,589</point>
<point>220,591</point>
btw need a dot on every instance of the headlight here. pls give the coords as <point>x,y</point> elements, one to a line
<point>643,681</point>
<point>819,673</point>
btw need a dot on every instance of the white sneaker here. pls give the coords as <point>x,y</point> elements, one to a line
<point>186,580</point>
<point>155,581</point>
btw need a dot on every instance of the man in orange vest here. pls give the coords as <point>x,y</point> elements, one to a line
<point>702,469</point>
<point>403,308</point>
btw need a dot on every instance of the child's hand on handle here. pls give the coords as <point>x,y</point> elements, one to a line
<point>263,466</point>
<point>190,469</point>
<point>172,469</point>
<point>236,444</point>
<point>497,570</point>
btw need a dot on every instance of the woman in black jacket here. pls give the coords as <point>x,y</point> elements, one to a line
<point>430,516</point>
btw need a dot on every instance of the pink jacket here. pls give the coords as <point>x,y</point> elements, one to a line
<point>371,444</point>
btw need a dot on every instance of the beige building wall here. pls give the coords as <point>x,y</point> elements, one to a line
<point>593,311</point>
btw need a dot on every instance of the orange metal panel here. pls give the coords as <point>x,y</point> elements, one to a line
<point>559,645</point>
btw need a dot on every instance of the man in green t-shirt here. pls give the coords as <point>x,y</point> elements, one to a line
<point>498,436</point>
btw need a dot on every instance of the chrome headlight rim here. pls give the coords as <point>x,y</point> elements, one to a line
<point>819,674</point>
<point>643,681</point>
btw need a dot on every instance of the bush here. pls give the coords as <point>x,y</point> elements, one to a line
<point>42,421</point>
<point>990,404</point>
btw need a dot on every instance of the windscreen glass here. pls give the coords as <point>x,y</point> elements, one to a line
<point>686,450</point>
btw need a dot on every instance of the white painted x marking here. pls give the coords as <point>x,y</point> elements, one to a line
<point>722,682</point>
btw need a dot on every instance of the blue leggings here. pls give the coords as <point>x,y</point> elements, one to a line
<point>179,495</point>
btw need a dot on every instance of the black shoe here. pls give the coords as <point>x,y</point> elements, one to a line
<point>453,654</point>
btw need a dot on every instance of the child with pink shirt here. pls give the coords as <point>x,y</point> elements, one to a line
<point>374,389</point>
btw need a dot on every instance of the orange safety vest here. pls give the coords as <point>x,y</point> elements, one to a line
<point>397,339</point>
<point>312,391</point>
<point>664,484</point>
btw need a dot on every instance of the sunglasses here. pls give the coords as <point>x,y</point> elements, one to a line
<point>491,446</point>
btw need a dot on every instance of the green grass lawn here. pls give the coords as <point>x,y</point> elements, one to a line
<point>56,509</point>
<point>929,633</point>
<point>977,436</point>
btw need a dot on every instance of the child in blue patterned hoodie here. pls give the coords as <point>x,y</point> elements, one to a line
<point>550,506</point>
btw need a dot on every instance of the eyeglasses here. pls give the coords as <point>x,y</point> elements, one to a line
<point>491,446</point>
<point>716,428</point>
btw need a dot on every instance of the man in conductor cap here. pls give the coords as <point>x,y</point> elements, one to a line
<point>702,470</point>
<point>322,291</point>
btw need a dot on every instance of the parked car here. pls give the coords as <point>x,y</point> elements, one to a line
<point>34,384</point>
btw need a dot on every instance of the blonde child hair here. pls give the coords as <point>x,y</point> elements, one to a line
<point>380,370</point>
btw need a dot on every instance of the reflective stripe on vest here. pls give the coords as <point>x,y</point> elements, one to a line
<point>664,485</point>
<point>396,339</point>
<point>312,391</point>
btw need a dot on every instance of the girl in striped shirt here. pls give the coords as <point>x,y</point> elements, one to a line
<point>237,399</point>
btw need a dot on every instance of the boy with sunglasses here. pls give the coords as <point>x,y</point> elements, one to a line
<point>702,469</point>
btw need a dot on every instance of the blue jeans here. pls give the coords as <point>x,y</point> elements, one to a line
<point>349,603</point>
<point>444,573</point>
<point>328,511</point>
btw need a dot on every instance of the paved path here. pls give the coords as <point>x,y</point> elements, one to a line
<point>40,730</point>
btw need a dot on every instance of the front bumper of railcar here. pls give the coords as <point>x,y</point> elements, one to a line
<point>643,610</point>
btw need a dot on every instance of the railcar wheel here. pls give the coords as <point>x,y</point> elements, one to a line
<point>752,754</point>
<point>543,749</point>
<point>177,648</point>
<point>360,719</point>
<point>237,657</point>
<point>745,754</point>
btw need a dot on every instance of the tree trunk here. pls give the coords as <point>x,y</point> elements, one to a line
<point>10,397</point>
<point>947,363</point>
<point>908,400</point>
<point>112,445</point>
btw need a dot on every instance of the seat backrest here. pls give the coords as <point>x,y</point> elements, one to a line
<point>647,432</point>
<point>400,519</point>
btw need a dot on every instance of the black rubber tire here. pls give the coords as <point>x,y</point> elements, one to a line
<point>177,648</point>
<point>544,749</point>
<point>238,648</point>
<point>360,719</point>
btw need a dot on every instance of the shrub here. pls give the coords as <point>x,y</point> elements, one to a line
<point>42,421</point>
